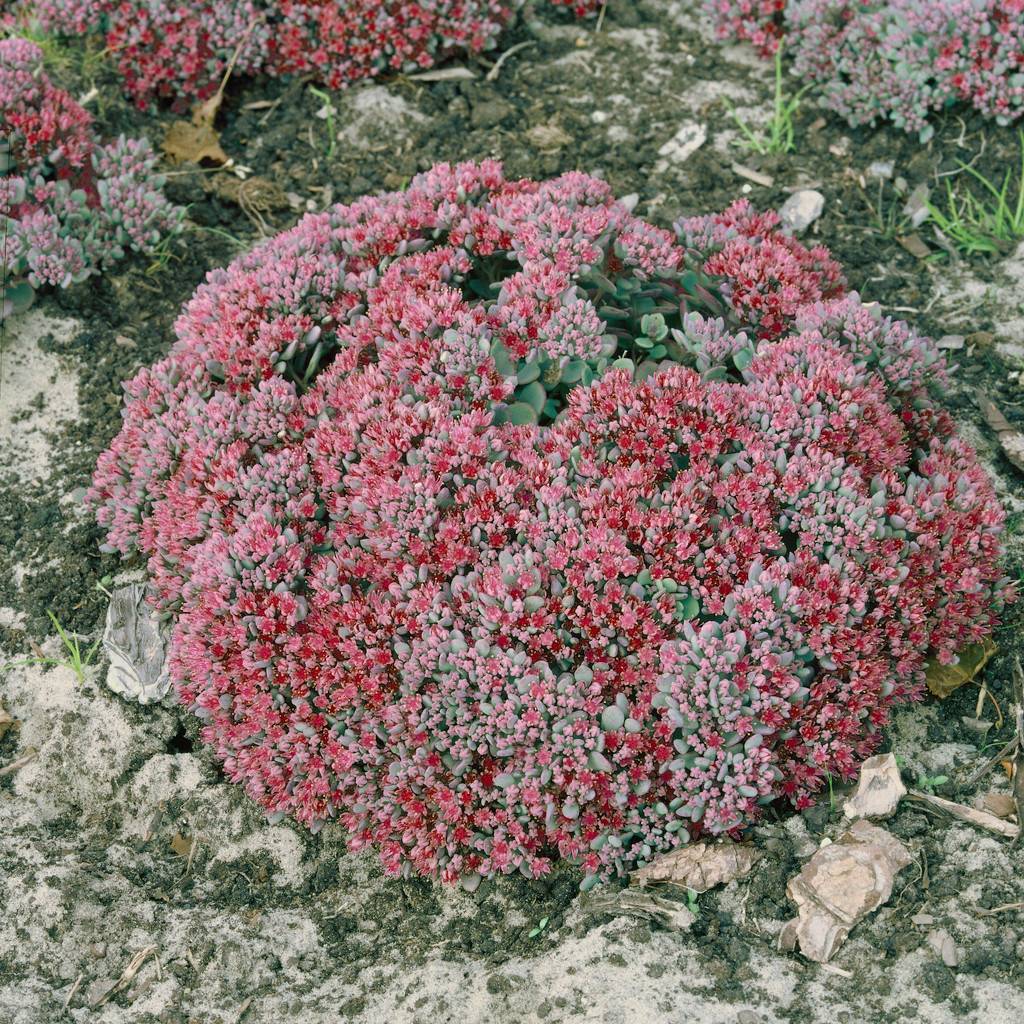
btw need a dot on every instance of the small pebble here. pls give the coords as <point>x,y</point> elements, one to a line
<point>802,209</point>
<point>942,942</point>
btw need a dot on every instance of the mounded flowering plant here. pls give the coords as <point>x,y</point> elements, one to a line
<point>69,204</point>
<point>180,50</point>
<point>502,526</point>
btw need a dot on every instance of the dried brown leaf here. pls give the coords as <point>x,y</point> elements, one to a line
<point>182,845</point>
<point>944,679</point>
<point>1002,805</point>
<point>186,142</point>
<point>206,112</point>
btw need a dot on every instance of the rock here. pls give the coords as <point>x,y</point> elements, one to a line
<point>489,113</point>
<point>915,245</point>
<point>979,727</point>
<point>879,789</point>
<point>99,991</point>
<point>136,643</point>
<point>916,206</point>
<point>700,866</point>
<point>686,141</point>
<point>882,170</point>
<point>802,209</point>
<point>547,137</point>
<point>841,884</point>
<point>942,942</point>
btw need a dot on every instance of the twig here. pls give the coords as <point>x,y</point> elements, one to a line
<point>832,969</point>
<point>982,912</point>
<point>17,763</point>
<point>1017,779</point>
<point>134,965</point>
<point>963,167</point>
<point>207,111</point>
<point>493,73</point>
<point>600,18</point>
<point>990,764</point>
<point>980,819</point>
<point>71,994</point>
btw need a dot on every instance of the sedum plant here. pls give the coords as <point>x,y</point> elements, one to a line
<point>500,526</point>
<point>898,61</point>
<point>70,205</point>
<point>180,51</point>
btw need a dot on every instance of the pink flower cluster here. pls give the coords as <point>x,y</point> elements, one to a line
<point>759,22</point>
<point>71,205</point>
<point>901,60</point>
<point>498,529</point>
<point>180,51</point>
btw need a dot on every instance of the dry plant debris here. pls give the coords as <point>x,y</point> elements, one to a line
<point>971,815</point>
<point>187,142</point>
<point>1002,805</point>
<point>1011,440</point>
<point>840,885</point>
<point>700,866</point>
<point>645,905</point>
<point>136,643</point>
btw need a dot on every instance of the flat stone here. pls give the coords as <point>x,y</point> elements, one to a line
<point>686,141</point>
<point>942,942</point>
<point>802,209</point>
<point>490,113</point>
<point>840,885</point>
<point>879,789</point>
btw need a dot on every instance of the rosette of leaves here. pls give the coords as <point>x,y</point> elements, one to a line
<point>644,329</point>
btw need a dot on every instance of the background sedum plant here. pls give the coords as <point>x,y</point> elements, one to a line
<point>501,526</point>
<point>180,50</point>
<point>69,205</point>
<point>900,60</point>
